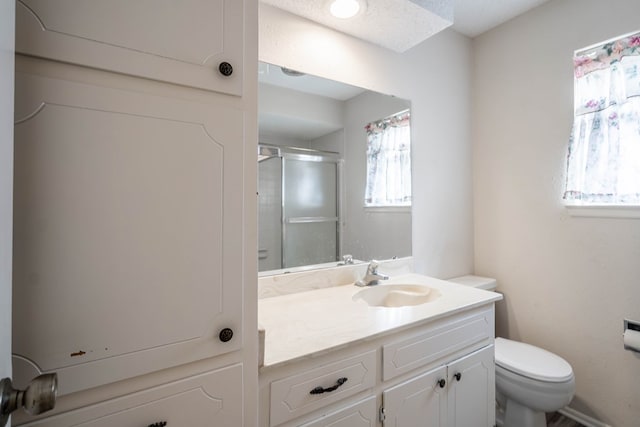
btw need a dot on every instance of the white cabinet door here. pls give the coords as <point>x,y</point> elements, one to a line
<point>181,42</point>
<point>420,401</point>
<point>471,390</point>
<point>128,231</point>
<point>210,399</point>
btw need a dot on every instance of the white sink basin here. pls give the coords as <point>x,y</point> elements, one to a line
<point>397,295</point>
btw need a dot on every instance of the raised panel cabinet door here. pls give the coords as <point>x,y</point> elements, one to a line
<point>128,215</point>
<point>471,391</point>
<point>420,401</point>
<point>183,42</point>
<point>210,399</point>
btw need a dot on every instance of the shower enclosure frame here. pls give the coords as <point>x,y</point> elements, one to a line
<point>286,153</point>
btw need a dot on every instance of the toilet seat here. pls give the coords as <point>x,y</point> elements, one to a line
<point>531,362</point>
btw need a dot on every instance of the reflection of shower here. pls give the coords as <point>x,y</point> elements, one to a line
<point>298,204</point>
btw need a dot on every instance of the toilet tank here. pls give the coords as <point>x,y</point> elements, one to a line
<point>479,282</point>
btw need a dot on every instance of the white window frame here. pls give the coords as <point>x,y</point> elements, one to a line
<point>607,210</point>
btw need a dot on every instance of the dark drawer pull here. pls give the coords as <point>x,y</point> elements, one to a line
<point>320,390</point>
<point>158,424</point>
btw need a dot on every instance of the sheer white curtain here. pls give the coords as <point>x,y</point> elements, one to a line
<point>389,161</point>
<point>603,163</point>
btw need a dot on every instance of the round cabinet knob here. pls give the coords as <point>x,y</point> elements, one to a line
<point>458,376</point>
<point>441,383</point>
<point>226,334</point>
<point>225,69</point>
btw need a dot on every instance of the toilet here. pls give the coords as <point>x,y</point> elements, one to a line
<point>530,381</point>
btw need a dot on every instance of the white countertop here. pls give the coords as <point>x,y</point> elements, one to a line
<point>308,323</point>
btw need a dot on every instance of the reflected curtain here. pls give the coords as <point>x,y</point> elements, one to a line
<point>603,163</point>
<point>389,161</point>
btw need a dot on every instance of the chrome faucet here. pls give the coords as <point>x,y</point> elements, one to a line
<point>372,276</point>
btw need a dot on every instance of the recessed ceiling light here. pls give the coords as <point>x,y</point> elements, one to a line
<point>344,9</point>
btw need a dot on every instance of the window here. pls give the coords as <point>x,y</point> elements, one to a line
<point>389,161</point>
<point>603,161</point>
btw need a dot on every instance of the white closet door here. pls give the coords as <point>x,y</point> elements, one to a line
<point>128,231</point>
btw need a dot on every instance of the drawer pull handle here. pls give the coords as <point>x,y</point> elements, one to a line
<point>158,424</point>
<point>320,390</point>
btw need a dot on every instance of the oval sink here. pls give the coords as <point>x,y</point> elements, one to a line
<point>397,295</point>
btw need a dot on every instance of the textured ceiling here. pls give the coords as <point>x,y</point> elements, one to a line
<point>395,24</point>
<point>401,24</point>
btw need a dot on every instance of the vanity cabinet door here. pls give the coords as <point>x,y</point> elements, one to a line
<point>127,231</point>
<point>471,390</point>
<point>420,401</point>
<point>187,42</point>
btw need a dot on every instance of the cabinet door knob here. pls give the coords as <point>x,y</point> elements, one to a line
<point>158,424</point>
<point>441,383</point>
<point>226,334</point>
<point>457,376</point>
<point>320,390</point>
<point>225,69</point>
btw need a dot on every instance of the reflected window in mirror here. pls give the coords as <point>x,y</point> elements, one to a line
<point>389,162</point>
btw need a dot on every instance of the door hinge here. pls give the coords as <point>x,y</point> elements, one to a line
<point>381,414</point>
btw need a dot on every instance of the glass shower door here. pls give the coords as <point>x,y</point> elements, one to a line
<point>310,210</point>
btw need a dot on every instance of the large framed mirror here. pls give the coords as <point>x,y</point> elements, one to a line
<point>334,172</point>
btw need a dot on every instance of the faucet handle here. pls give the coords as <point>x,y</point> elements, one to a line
<point>373,266</point>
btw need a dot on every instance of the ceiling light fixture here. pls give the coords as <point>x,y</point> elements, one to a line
<point>344,9</point>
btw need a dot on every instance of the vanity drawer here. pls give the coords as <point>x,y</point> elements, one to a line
<point>447,338</point>
<point>361,414</point>
<point>210,399</point>
<point>309,390</point>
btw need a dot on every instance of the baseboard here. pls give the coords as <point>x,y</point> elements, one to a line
<point>583,419</point>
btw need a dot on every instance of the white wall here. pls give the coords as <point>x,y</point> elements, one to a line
<point>7,14</point>
<point>439,91</point>
<point>568,281</point>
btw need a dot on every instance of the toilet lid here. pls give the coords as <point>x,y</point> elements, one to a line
<point>532,362</point>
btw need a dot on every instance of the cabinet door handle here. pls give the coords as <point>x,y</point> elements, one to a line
<point>158,424</point>
<point>226,334</point>
<point>320,390</point>
<point>441,383</point>
<point>457,376</point>
<point>225,69</point>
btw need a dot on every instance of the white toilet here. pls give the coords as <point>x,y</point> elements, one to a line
<point>530,381</point>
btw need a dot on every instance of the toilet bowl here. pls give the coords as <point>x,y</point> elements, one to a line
<point>530,381</point>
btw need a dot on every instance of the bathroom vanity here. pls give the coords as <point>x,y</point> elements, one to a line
<point>332,357</point>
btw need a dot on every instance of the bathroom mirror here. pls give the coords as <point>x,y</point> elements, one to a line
<point>312,173</point>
